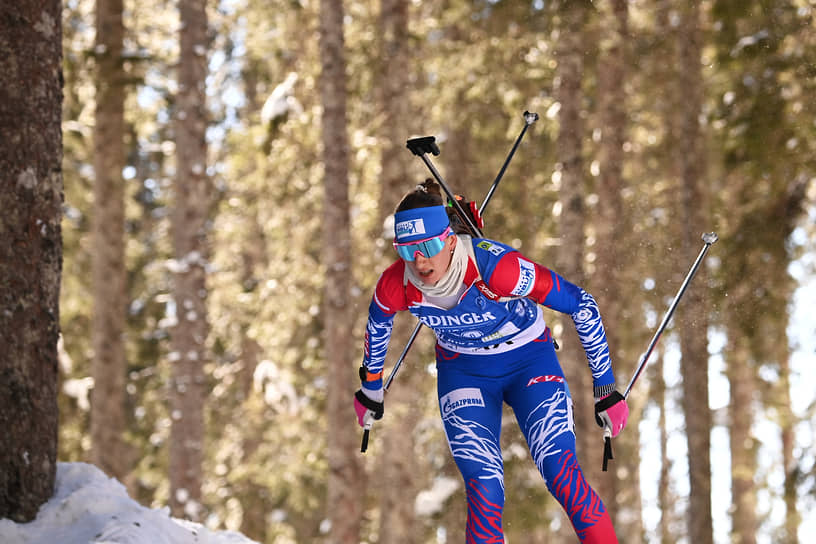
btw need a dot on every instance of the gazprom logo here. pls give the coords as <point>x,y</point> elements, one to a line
<point>461,398</point>
<point>409,228</point>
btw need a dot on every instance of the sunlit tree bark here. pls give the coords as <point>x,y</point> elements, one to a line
<point>667,98</point>
<point>398,477</point>
<point>569,145</point>
<point>787,421</point>
<point>692,315</point>
<point>394,102</point>
<point>190,223</point>
<point>255,501</point>
<point>108,262</point>
<point>622,494</point>
<point>345,496</point>
<point>569,94</point>
<point>571,197</point>
<point>31,195</point>
<point>744,447</point>
<point>665,498</point>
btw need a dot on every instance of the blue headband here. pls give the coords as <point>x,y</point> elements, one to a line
<point>420,223</point>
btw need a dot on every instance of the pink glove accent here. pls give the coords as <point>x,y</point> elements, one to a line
<point>361,412</point>
<point>366,408</point>
<point>615,416</point>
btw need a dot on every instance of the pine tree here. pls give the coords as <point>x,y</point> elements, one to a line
<point>30,253</point>
<point>193,198</point>
<point>108,263</point>
<point>344,483</point>
<point>692,317</point>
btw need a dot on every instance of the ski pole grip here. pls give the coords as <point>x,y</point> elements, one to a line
<point>420,146</point>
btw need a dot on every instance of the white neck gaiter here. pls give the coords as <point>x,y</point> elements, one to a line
<point>451,282</point>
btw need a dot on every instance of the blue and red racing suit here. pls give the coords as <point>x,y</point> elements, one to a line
<point>494,346</point>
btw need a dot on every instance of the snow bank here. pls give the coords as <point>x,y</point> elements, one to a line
<point>88,507</point>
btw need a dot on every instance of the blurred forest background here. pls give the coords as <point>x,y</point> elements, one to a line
<point>229,167</point>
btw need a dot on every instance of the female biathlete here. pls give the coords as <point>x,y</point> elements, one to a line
<point>481,298</point>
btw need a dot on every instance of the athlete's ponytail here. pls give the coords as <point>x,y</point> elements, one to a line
<point>424,195</point>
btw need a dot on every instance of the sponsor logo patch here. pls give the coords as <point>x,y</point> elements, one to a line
<point>544,379</point>
<point>492,248</point>
<point>461,398</point>
<point>485,290</point>
<point>493,337</point>
<point>526,279</point>
<point>410,228</point>
<point>465,319</point>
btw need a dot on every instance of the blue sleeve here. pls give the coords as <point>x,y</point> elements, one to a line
<point>377,336</point>
<point>570,299</point>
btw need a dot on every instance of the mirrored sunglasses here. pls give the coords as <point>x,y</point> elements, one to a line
<point>427,247</point>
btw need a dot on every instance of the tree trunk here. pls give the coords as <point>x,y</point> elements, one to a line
<point>621,495</point>
<point>743,446</point>
<point>789,462</point>
<point>109,287</point>
<point>345,471</point>
<point>190,216</point>
<point>571,198</point>
<point>398,477</point>
<point>395,75</point>
<point>692,320</point>
<point>397,519</point>
<point>31,197</point>
<point>254,496</point>
<point>666,37</point>
<point>665,498</point>
<point>569,147</point>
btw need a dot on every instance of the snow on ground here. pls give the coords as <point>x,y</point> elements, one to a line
<point>88,507</point>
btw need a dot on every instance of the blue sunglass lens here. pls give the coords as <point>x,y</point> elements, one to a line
<point>406,252</point>
<point>428,248</point>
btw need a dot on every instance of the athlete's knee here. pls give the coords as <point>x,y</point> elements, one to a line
<point>567,484</point>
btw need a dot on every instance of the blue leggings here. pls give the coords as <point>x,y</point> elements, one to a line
<point>472,389</point>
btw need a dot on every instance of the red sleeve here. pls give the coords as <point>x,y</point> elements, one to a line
<point>389,295</point>
<point>516,276</point>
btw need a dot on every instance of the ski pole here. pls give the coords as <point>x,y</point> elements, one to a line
<point>709,238</point>
<point>529,119</point>
<point>427,144</point>
<point>420,147</point>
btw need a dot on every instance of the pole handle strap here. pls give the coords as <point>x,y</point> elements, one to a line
<point>364,445</point>
<point>607,452</point>
<point>607,455</point>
